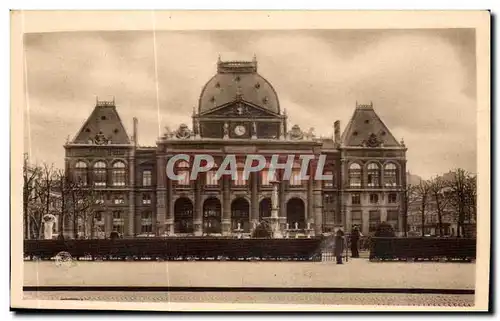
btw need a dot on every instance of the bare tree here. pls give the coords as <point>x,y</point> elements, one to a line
<point>437,191</point>
<point>31,174</point>
<point>463,197</point>
<point>422,191</point>
<point>409,196</point>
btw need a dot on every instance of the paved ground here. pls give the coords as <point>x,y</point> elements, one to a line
<point>265,298</point>
<point>356,273</point>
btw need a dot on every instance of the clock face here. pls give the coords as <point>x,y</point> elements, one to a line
<point>239,130</point>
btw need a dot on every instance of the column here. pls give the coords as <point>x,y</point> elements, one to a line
<point>348,220</point>
<point>403,218</point>
<point>131,199</point>
<point>226,205</point>
<point>310,198</point>
<point>169,205</point>
<point>198,228</point>
<point>318,207</point>
<point>108,223</point>
<point>159,221</point>
<point>365,226</point>
<point>254,204</point>
<point>341,204</point>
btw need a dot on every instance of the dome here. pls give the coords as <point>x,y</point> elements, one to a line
<point>238,79</point>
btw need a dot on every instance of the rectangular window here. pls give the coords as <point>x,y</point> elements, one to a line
<point>119,200</point>
<point>146,199</point>
<point>118,222</point>
<point>392,215</point>
<point>183,178</point>
<point>356,199</point>
<point>295,178</point>
<point>146,178</point>
<point>357,218</point>
<point>267,178</point>
<point>240,178</point>
<point>374,198</point>
<point>374,220</point>
<point>146,223</point>
<point>211,178</point>
<point>393,197</point>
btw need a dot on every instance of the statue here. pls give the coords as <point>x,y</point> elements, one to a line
<point>226,129</point>
<point>183,132</point>
<point>48,226</point>
<point>296,225</point>
<point>100,139</point>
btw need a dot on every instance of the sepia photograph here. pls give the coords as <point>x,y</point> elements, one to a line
<point>257,161</point>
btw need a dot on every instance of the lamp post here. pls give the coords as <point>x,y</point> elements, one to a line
<point>274,219</point>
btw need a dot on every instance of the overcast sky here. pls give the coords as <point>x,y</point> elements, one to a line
<point>422,83</point>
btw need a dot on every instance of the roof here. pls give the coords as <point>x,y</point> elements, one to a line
<point>367,129</point>
<point>238,80</point>
<point>103,126</point>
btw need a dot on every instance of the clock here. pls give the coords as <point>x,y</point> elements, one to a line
<point>240,130</point>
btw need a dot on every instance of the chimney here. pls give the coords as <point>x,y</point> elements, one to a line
<point>135,131</point>
<point>336,129</point>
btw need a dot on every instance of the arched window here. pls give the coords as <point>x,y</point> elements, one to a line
<point>390,175</point>
<point>355,175</point>
<point>183,173</point>
<point>81,173</point>
<point>100,174</point>
<point>118,176</point>
<point>373,175</point>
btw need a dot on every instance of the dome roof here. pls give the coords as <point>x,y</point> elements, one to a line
<point>238,79</point>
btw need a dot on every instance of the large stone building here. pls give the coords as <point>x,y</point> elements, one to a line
<point>238,113</point>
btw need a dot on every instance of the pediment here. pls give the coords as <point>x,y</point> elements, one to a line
<point>241,109</point>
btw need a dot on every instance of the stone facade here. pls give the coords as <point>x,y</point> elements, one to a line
<point>239,114</point>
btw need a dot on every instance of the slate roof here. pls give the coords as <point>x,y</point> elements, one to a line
<point>238,78</point>
<point>364,125</point>
<point>105,121</point>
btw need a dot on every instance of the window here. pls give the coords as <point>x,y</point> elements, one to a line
<point>98,216</point>
<point>81,173</point>
<point>267,178</point>
<point>146,178</point>
<point>355,175</point>
<point>146,222</point>
<point>211,178</point>
<point>355,199</point>
<point>356,218</point>
<point>118,222</point>
<point>373,175</point>
<point>329,183</point>
<point>183,173</point>
<point>393,197</point>
<point>392,215</point>
<point>390,175</point>
<point>100,174</point>
<point>374,198</point>
<point>329,210</point>
<point>99,200</point>
<point>374,220</point>
<point>119,200</point>
<point>295,177</point>
<point>240,176</point>
<point>118,176</point>
<point>146,199</point>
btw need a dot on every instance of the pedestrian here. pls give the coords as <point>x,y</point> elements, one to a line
<point>339,246</point>
<point>355,235</point>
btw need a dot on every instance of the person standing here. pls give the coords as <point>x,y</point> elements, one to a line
<point>355,235</point>
<point>339,246</point>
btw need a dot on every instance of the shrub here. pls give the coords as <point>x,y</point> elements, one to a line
<point>263,230</point>
<point>384,229</point>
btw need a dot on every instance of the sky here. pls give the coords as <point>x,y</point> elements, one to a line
<point>422,83</point>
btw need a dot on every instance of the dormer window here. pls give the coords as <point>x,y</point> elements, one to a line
<point>257,85</point>
<point>103,117</point>
<point>265,100</point>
